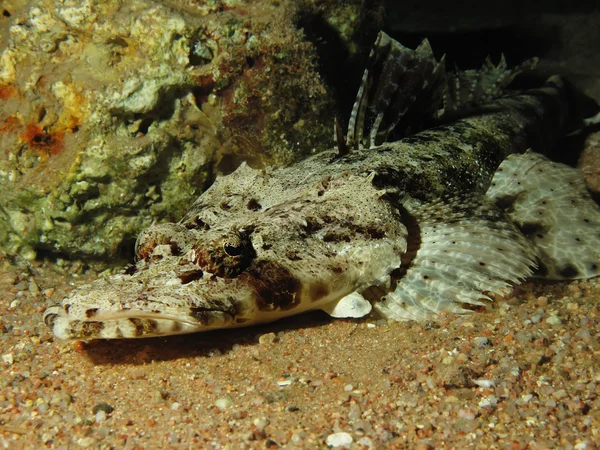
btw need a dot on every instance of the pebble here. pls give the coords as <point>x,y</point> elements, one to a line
<point>561,393</point>
<point>484,383</point>
<point>8,358</point>
<point>466,414</point>
<point>86,442</point>
<point>261,423</point>
<point>341,439</point>
<point>554,320</point>
<point>267,338</point>
<point>100,416</point>
<point>482,341</point>
<point>33,288</point>
<point>299,437</point>
<point>103,407</point>
<point>224,403</point>
<point>365,441</point>
<point>490,400</point>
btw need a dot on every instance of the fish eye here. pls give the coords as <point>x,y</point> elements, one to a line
<point>233,248</point>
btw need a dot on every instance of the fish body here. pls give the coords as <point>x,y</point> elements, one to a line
<point>431,222</point>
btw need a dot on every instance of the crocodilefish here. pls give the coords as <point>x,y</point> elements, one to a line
<point>434,200</point>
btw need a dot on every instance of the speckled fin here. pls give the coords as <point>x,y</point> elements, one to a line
<point>462,251</point>
<point>551,205</point>
<point>400,89</point>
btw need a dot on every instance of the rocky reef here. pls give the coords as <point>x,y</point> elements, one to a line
<point>114,115</point>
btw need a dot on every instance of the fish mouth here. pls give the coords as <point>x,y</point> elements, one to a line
<point>131,324</point>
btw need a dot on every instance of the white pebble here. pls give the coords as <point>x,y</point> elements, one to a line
<point>348,387</point>
<point>365,441</point>
<point>466,414</point>
<point>100,416</point>
<point>224,403</point>
<point>484,383</point>
<point>340,439</point>
<point>490,400</point>
<point>175,406</point>
<point>86,441</point>
<point>8,358</point>
<point>554,320</point>
<point>261,423</point>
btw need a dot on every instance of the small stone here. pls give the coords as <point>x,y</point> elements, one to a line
<point>100,416</point>
<point>267,338</point>
<point>490,400</point>
<point>482,341</point>
<point>299,438</point>
<point>86,442</point>
<point>466,414</point>
<point>365,441</point>
<point>33,288</point>
<point>561,393</point>
<point>484,383</point>
<point>224,403</point>
<point>536,318</point>
<point>341,439</point>
<point>261,423</point>
<point>42,408</point>
<point>175,406</point>
<point>554,320</point>
<point>103,407</point>
<point>8,358</point>
<point>348,387</point>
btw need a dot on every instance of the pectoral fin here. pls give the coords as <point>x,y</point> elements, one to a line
<point>552,207</point>
<point>462,250</point>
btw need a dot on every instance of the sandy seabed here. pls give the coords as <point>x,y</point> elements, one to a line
<point>525,373</point>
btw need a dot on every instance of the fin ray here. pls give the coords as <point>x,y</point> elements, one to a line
<point>551,205</point>
<point>466,250</point>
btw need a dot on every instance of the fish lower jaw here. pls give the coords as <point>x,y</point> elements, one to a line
<point>66,328</point>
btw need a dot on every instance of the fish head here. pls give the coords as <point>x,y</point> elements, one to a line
<point>270,252</point>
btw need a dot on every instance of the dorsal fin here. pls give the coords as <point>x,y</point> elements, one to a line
<point>403,90</point>
<point>470,88</point>
<point>394,85</point>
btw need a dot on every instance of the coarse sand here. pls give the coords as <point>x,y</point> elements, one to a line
<point>524,373</point>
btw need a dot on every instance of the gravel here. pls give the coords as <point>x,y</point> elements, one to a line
<point>505,377</point>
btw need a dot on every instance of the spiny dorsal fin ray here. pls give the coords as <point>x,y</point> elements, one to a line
<point>465,250</point>
<point>404,90</point>
<point>395,79</point>
<point>470,88</point>
<point>552,207</point>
